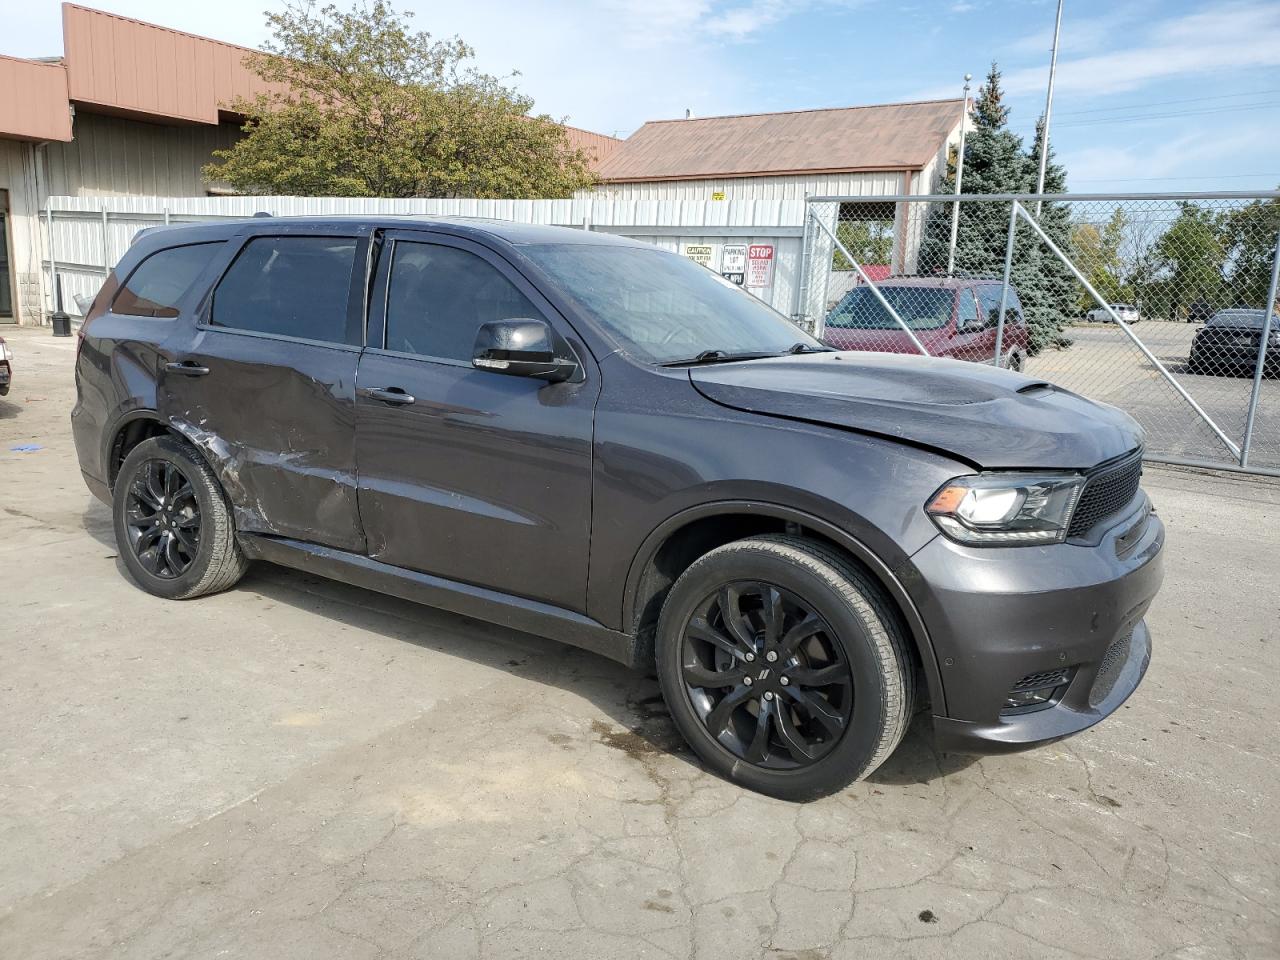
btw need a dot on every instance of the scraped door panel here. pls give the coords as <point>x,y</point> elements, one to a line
<point>265,387</point>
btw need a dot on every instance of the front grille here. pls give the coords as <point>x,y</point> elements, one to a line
<point>1042,681</point>
<point>1107,491</point>
<point>1112,663</point>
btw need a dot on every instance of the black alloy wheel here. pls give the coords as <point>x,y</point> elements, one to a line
<point>766,675</point>
<point>162,518</point>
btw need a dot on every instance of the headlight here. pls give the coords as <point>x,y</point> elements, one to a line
<point>1007,509</point>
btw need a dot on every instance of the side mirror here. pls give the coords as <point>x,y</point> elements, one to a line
<point>523,348</point>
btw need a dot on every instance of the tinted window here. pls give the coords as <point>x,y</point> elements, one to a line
<point>439,296</point>
<point>291,287</point>
<point>158,283</point>
<point>921,308</point>
<point>661,307</point>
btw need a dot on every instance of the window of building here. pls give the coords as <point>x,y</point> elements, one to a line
<point>438,297</point>
<point>160,281</point>
<point>289,287</point>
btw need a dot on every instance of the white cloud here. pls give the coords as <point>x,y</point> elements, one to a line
<point>1219,38</point>
<point>1167,158</point>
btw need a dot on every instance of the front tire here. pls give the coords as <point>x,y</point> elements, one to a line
<point>173,524</point>
<point>785,666</point>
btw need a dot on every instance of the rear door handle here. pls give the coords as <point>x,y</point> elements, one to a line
<point>187,368</point>
<point>392,395</point>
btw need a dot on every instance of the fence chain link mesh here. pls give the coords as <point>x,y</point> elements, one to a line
<point>1186,278</point>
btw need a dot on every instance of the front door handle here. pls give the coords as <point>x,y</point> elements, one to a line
<point>392,395</point>
<point>187,368</point>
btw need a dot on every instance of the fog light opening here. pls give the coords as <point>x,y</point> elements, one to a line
<point>1037,691</point>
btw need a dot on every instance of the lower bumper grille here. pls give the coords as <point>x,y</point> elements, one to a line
<point>1113,662</point>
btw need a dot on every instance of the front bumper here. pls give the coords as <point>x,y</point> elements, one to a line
<point>998,615</point>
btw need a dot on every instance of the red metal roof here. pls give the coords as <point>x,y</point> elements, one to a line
<point>894,136</point>
<point>33,105</point>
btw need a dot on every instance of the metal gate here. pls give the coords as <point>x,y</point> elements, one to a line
<point>1155,303</point>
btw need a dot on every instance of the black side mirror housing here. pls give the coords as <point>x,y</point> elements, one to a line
<point>523,348</point>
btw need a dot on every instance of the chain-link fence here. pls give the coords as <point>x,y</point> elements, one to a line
<point>1156,304</point>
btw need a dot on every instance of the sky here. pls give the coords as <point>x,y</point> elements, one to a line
<point>1151,95</point>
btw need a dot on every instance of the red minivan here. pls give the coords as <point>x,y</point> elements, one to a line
<point>953,317</point>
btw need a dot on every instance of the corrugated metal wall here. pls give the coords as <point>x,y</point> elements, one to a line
<point>18,179</point>
<point>114,156</point>
<point>757,188</point>
<point>85,241</point>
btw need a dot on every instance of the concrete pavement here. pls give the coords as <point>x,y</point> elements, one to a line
<point>298,768</point>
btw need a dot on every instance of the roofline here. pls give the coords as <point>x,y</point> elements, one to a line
<point>158,26</point>
<point>913,168</point>
<point>780,113</point>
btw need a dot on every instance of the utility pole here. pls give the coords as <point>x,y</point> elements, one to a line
<point>1048,107</point>
<point>955,205</point>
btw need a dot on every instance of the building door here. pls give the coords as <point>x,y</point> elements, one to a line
<point>6,268</point>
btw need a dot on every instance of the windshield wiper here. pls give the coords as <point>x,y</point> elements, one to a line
<point>716,356</point>
<point>803,347</point>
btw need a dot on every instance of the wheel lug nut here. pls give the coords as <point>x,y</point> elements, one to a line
<point>771,656</point>
<point>747,681</point>
<point>768,694</point>
<point>749,657</point>
<point>784,680</point>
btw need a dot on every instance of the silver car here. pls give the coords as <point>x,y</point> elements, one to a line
<point>1125,311</point>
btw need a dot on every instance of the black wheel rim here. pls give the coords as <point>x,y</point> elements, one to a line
<point>162,517</point>
<point>766,675</point>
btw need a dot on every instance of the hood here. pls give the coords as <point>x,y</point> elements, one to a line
<point>991,418</point>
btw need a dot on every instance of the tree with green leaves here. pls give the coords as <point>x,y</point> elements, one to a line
<point>362,106</point>
<point>1192,254</point>
<point>1096,250</point>
<point>995,161</point>
<point>1249,240</point>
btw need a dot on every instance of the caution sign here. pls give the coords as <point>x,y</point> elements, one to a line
<point>760,265</point>
<point>699,253</point>
<point>733,263</point>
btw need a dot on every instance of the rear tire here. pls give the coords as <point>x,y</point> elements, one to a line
<point>797,719</point>
<point>173,524</point>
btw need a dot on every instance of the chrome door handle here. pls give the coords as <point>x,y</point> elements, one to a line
<point>187,369</point>
<point>392,395</point>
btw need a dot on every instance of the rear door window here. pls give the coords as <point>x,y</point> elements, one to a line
<point>290,287</point>
<point>438,296</point>
<point>160,281</point>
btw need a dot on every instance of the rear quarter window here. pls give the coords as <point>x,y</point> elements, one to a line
<point>159,282</point>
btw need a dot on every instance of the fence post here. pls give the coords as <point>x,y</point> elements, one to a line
<point>53,261</point>
<point>1260,367</point>
<point>1004,289</point>
<point>106,242</point>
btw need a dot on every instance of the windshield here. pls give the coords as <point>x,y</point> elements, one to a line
<point>663,308</point>
<point>921,308</point>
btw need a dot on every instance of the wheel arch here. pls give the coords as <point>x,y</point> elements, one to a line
<point>687,535</point>
<point>127,432</point>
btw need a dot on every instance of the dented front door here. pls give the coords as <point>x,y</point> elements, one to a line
<point>271,407</point>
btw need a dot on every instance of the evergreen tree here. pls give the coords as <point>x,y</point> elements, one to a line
<point>995,161</point>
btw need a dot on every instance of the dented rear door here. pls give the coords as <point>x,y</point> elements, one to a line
<point>264,384</point>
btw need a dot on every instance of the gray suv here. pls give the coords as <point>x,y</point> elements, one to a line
<point>591,439</point>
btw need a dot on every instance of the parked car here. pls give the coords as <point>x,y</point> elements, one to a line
<point>1125,311</point>
<point>588,438</point>
<point>1227,345</point>
<point>953,318</point>
<point>6,368</point>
